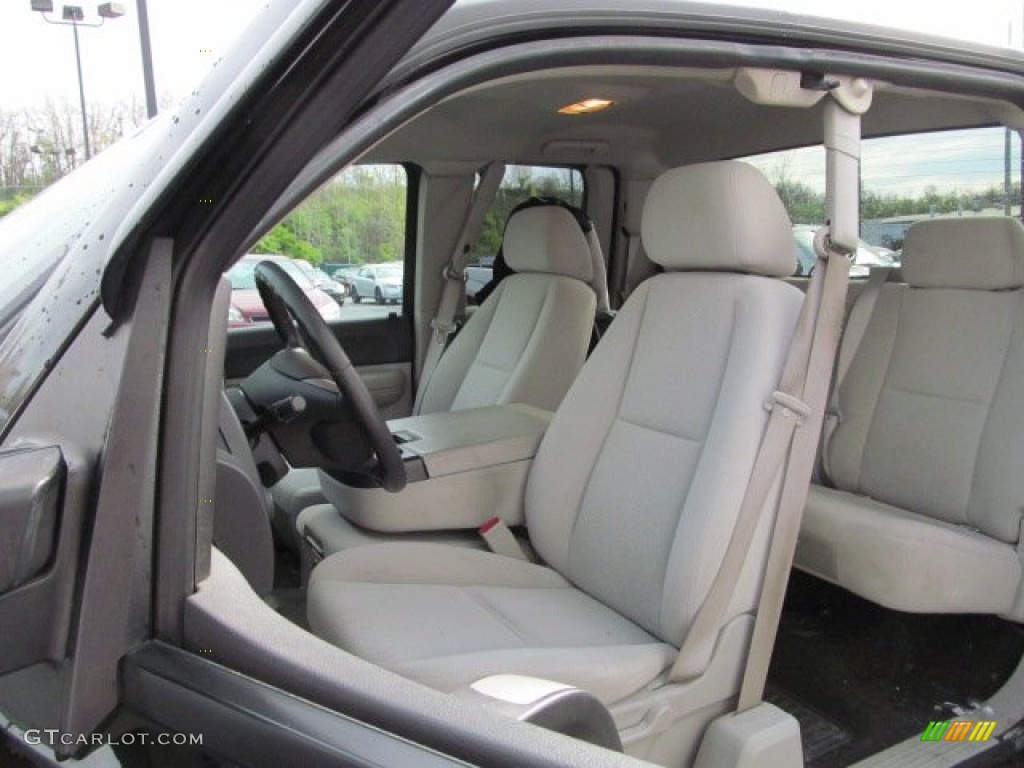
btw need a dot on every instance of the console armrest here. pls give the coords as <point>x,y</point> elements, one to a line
<point>469,465</point>
<point>451,442</point>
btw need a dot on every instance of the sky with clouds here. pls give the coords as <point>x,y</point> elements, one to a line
<point>966,162</point>
<point>188,36</point>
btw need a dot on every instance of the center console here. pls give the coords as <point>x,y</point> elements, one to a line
<point>464,467</point>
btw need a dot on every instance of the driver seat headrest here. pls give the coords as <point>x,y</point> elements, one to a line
<point>547,239</point>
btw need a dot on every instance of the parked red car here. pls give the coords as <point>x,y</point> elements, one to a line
<point>247,307</point>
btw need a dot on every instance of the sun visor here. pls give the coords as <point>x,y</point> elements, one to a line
<point>775,87</point>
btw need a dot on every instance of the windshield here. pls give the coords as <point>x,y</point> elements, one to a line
<point>297,274</point>
<point>390,270</point>
<point>36,236</point>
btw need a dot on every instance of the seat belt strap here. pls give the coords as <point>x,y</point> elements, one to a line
<point>797,478</point>
<point>790,411</point>
<point>454,290</point>
<point>856,327</point>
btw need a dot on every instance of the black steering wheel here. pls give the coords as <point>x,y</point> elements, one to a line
<point>300,325</point>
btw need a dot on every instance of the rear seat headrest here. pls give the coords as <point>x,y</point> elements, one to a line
<point>547,239</point>
<point>718,216</point>
<point>984,253</point>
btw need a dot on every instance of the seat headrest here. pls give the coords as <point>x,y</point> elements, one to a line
<point>984,253</point>
<point>547,239</point>
<point>717,216</point>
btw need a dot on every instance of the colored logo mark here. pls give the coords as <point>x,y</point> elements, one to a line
<point>958,730</point>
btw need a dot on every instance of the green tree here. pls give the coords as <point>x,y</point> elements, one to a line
<point>282,241</point>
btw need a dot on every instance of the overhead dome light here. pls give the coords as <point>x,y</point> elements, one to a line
<point>585,107</point>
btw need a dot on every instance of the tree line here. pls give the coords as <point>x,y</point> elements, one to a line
<point>359,216</point>
<point>807,206</point>
<point>39,145</point>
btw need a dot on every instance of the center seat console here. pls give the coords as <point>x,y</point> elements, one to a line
<point>463,467</point>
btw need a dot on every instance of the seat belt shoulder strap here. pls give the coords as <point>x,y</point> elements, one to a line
<point>801,390</point>
<point>454,289</point>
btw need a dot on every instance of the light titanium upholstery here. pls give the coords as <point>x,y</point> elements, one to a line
<point>527,341</point>
<point>599,281</point>
<point>926,510</point>
<point>241,517</point>
<point>524,344</point>
<point>632,496</point>
<point>723,228</point>
<point>241,521</point>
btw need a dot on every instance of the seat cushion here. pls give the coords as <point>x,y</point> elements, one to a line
<point>294,492</point>
<point>904,560</point>
<point>931,414</point>
<point>448,616</point>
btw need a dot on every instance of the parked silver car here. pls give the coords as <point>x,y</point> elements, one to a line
<point>867,255</point>
<point>380,282</point>
<point>336,290</point>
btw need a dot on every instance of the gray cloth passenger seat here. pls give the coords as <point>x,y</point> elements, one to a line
<point>241,517</point>
<point>924,505</point>
<point>524,344</point>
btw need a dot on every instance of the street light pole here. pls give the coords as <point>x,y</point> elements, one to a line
<point>73,16</point>
<point>81,90</point>
<point>147,58</point>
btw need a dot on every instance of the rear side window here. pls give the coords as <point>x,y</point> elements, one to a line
<point>904,179</point>
<point>974,172</point>
<point>356,220</point>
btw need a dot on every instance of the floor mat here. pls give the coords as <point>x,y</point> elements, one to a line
<point>818,734</point>
<point>879,676</point>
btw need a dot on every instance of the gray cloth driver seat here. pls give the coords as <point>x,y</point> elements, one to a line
<point>524,344</point>
<point>631,499</point>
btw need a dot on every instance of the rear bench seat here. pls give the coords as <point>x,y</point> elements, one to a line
<point>925,468</point>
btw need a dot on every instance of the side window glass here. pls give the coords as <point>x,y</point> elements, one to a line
<point>904,179</point>
<point>964,173</point>
<point>356,218</point>
<point>519,184</point>
<point>799,178</point>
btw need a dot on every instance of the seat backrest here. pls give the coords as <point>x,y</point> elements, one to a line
<point>599,277</point>
<point>932,407</point>
<point>637,484</point>
<point>241,519</point>
<point>527,341</point>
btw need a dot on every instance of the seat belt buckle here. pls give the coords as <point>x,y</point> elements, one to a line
<point>792,406</point>
<point>500,539</point>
